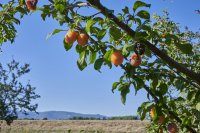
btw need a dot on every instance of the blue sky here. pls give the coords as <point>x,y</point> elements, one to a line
<point>54,72</point>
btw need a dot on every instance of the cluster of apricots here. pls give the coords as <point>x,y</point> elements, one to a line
<point>172,127</point>
<point>31,4</point>
<point>117,59</point>
<point>72,36</point>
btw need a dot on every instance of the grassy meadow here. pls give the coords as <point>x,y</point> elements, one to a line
<point>75,126</point>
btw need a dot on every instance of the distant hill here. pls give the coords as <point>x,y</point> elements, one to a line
<point>57,115</point>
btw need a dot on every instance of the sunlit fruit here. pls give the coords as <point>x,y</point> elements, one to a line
<point>71,37</point>
<point>82,39</point>
<point>161,118</point>
<point>135,60</point>
<point>152,112</point>
<point>172,128</point>
<point>117,58</point>
<point>31,4</point>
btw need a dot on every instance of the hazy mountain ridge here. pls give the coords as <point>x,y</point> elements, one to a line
<point>57,115</point>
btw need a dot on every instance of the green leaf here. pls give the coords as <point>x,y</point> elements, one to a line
<point>81,66</point>
<point>92,57</point>
<point>127,49</point>
<point>89,23</point>
<point>185,48</point>
<point>82,60</point>
<point>56,31</point>
<point>101,34</point>
<point>114,86</point>
<point>139,84</point>
<point>80,49</point>
<point>115,33</point>
<point>53,33</point>
<point>124,91</point>
<point>154,82</point>
<point>163,88</point>
<point>147,52</point>
<point>140,35</point>
<point>145,27</point>
<point>108,54</point>
<point>21,10</point>
<point>143,109</point>
<point>143,14</point>
<point>198,106</point>
<point>138,20</point>
<point>125,10</point>
<point>185,121</point>
<point>16,21</point>
<point>139,4</point>
<point>98,63</point>
<point>60,17</point>
<point>60,7</point>
<point>67,46</point>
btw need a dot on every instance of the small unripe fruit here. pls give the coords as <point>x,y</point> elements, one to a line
<point>163,35</point>
<point>117,58</point>
<point>71,37</point>
<point>172,128</point>
<point>82,39</point>
<point>161,119</point>
<point>135,60</point>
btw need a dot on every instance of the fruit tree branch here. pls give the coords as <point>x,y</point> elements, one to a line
<point>106,12</point>
<point>84,4</point>
<point>149,90</point>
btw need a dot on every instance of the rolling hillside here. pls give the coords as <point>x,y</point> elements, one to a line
<point>57,115</point>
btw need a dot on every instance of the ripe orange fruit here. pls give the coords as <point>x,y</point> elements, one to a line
<point>71,37</point>
<point>135,60</point>
<point>31,4</point>
<point>117,58</point>
<point>82,39</point>
<point>172,128</point>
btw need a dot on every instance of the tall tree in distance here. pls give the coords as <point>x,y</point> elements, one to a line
<point>15,96</point>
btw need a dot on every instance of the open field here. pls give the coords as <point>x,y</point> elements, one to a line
<point>75,126</point>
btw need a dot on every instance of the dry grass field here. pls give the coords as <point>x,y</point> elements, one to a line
<point>75,126</point>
